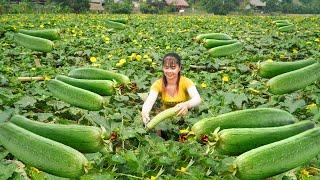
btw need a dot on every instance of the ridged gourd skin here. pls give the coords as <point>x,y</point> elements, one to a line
<point>51,34</point>
<point>161,117</point>
<point>44,154</point>
<point>283,24</point>
<point>218,36</point>
<point>278,157</point>
<point>269,69</point>
<point>294,80</point>
<point>75,96</point>
<point>102,87</point>
<point>86,139</point>
<point>210,43</point>
<point>248,118</point>
<point>225,50</point>
<point>115,25</point>
<point>98,74</point>
<point>288,28</point>
<point>33,43</point>
<point>236,141</point>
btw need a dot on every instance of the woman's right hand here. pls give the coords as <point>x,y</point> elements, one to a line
<point>145,118</point>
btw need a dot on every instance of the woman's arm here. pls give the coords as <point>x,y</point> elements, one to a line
<point>147,106</point>
<point>195,97</point>
<point>193,102</point>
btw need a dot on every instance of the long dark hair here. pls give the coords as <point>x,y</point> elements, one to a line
<point>178,61</point>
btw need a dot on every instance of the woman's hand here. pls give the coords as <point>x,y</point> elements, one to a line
<point>182,108</point>
<point>145,117</point>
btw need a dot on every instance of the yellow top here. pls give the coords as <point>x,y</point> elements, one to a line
<point>170,101</point>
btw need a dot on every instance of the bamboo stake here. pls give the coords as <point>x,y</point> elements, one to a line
<point>26,79</point>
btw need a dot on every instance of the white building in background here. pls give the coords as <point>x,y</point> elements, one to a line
<point>96,5</point>
<point>256,3</point>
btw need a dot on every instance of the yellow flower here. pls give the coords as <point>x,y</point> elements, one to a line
<point>145,56</point>
<point>269,60</point>
<point>93,59</point>
<point>41,26</point>
<point>152,178</point>
<point>122,61</point>
<point>133,56</point>
<point>182,170</point>
<point>167,47</point>
<point>153,64</point>
<point>304,172</point>
<point>184,131</point>
<point>119,64</point>
<point>35,170</point>
<point>149,60</point>
<point>109,56</point>
<point>311,106</point>
<point>47,78</point>
<point>203,85</point>
<point>282,56</point>
<point>295,51</point>
<point>225,78</point>
<point>138,57</point>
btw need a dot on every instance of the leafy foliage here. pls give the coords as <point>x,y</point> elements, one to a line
<point>225,84</point>
<point>222,7</point>
<point>124,7</point>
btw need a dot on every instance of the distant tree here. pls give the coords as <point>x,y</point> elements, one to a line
<point>222,7</point>
<point>75,5</point>
<point>152,6</point>
<point>122,7</point>
<point>272,5</point>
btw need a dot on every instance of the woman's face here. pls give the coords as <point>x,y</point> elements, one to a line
<point>171,68</point>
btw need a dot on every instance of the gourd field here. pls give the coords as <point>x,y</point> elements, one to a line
<point>72,88</point>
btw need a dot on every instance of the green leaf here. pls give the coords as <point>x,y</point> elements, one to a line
<point>6,171</point>
<point>118,159</point>
<point>26,101</point>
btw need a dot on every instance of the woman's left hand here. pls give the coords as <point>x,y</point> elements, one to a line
<point>182,109</point>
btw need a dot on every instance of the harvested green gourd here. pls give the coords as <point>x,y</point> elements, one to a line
<point>102,87</point>
<point>123,21</point>
<point>51,34</point>
<point>33,43</point>
<point>270,69</point>
<point>161,117</point>
<point>294,80</point>
<point>249,118</point>
<point>98,74</point>
<point>85,139</point>
<point>210,43</point>
<point>225,50</point>
<point>288,28</point>
<point>75,96</point>
<point>115,25</point>
<point>239,140</point>
<point>278,157</point>
<point>218,36</point>
<point>45,154</point>
<point>283,24</point>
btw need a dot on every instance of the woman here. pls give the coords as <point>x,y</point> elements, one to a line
<point>175,90</point>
